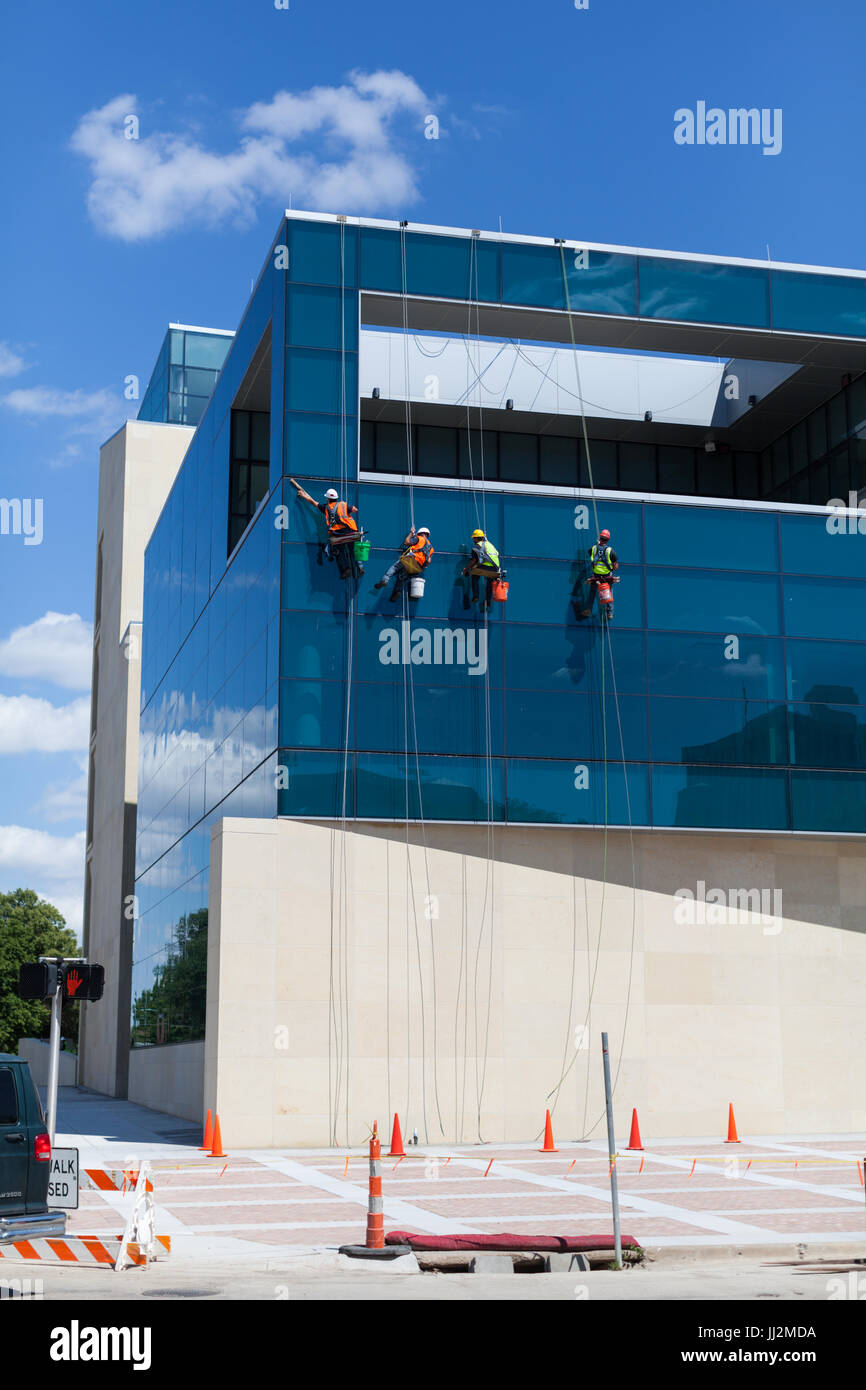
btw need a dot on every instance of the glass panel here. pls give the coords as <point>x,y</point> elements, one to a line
<point>831,672</point>
<point>746,470</point>
<point>833,608</point>
<point>603,282</point>
<point>808,303</point>
<point>701,601</point>
<point>701,292</point>
<point>717,731</point>
<point>436,653</point>
<point>518,458</point>
<point>637,467</point>
<point>817,428</point>
<point>392,452</point>
<point>828,736</point>
<point>829,801</point>
<point>539,722</point>
<point>799,447</point>
<point>676,469</point>
<point>315,784</point>
<point>477,455</point>
<point>741,799</point>
<point>837,420</point>
<point>602,459</point>
<point>313,318</point>
<point>368,437</point>
<point>260,435</point>
<point>451,788</point>
<point>428,718</point>
<point>314,379</point>
<point>558,461</point>
<point>715,474</point>
<point>436,451</point>
<point>312,714</point>
<point>206,350</point>
<point>555,592</point>
<point>313,445</point>
<point>315,252</point>
<point>558,526</point>
<point>240,434</point>
<point>575,793</point>
<point>560,658</point>
<point>752,668</point>
<point>708,536</point>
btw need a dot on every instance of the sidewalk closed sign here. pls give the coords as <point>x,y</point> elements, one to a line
<point>63,1179</point>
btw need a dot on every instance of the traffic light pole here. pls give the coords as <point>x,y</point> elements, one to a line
<point>54,1060</point>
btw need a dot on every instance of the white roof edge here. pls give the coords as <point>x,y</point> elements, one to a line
<point>585,494</point>
<point>193,328</point>
<point>394,223</point>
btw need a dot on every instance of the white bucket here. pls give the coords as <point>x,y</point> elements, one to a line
<point>416,586</point>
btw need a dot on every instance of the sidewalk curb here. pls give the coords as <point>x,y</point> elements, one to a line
<point>794,1252</point>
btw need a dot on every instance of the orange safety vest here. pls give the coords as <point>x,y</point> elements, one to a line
<point>337,517</point>
<point>418,555</point>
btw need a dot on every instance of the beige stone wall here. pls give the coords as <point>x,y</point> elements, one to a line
<point>168,1078</point>
<point>137,467</point>
<point>360,1002</point>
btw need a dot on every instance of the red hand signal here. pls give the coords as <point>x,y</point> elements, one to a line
<point>73,982</point>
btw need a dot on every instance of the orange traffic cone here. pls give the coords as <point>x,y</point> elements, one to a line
<point>396,1140</point>
<point>207,1143</point>
<point>732,1127</point>
<point>217,1146</point>
<point>634,1137</point>
<point>549,1147</point>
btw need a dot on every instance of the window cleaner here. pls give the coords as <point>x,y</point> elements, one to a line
<point>415,555</point>
<point>603,561</point>
<point>484,564</point>
<point>344,534</point>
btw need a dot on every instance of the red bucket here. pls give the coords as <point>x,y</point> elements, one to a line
<point>499,591</point>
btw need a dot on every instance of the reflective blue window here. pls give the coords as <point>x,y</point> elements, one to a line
<point>835,608</point>
<point>824,545</point>
<point>314,443</point>
<point>829,672</point>
<point>698,600</point>
<point>708,537</point>
<point>701,292</point>
<point>428,718</point>
<point>431,651</point>
<point>313,646</point>
<point>828,735</point>
<point>688,664</point>
<point>736,798</point>
<point>570,658</point>
<point>313,319</point>
<point>533,275</point>
<point>441,266</point>
<point>320,254</point>
<point>314,380</point>
<point>541,723</point>
<point>451,788</point>
<point>577,793</point>
<point>561,528</point>
<point>315,784</point>
<point>312,714</point>
<point>834,802</point>
<point>717,731</point>
<point>555,592</point>
<point>808,303</point>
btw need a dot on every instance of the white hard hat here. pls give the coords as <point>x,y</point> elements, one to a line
<point>423,531</point>
<point>332,494</point>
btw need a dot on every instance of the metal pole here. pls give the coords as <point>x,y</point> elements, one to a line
<point>611,1144</point>
<point>54,1061</point>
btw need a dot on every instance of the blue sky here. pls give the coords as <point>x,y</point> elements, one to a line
<point>559,121</point>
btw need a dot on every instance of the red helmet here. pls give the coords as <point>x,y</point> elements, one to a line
<point>604,535</point>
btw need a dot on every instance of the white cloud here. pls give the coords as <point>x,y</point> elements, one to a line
<point>93,412</point>
<point>52,865</point>
<point>67,802</point>
<point>29,725</point>
<point>328,147</point>
<point>10,362</point>
<point>57,647</point>
<point>27,851</point>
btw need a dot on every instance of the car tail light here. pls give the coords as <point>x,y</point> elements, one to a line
<point>42,1148</point>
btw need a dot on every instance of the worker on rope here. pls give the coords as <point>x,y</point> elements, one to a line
<point>603,561</point>
<point>484,564</point>
<point>415,555</point>
<point>343,529</point>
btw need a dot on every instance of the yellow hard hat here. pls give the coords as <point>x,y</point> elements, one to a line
<point>477,534</point>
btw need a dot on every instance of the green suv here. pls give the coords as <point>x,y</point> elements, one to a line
<point>25,1157</point>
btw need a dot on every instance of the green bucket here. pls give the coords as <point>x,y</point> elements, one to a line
<point>362,550</point>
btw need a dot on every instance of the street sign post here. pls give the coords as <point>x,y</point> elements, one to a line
<point>54,979</point>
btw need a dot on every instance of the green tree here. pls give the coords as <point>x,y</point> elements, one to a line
<point>173,1008</point>
<point>30,927</point>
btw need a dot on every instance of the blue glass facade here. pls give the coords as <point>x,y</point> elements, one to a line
<point>185,374</point>
<point>730,694</point>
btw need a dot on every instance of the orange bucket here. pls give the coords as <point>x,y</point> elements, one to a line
<point>499,591</point>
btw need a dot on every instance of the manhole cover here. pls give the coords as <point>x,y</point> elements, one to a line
<point>178,1293</point>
